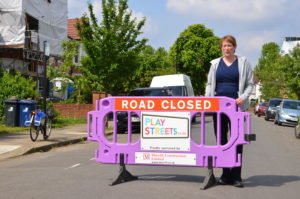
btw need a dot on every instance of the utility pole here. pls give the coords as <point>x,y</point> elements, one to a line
<point>46,53</point>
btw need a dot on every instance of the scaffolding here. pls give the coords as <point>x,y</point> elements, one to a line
<point>25,27</point>
<point>28,23</point>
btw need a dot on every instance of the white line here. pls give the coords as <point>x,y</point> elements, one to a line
<point>75,165</point>
<point>92,158</point>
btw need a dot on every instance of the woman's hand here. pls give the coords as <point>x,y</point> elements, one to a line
<point>239,101</point>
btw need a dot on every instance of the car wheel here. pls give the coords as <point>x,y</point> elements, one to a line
<point>279,123</point>
<point>258,115</point>
<point>122,131</point>
<point>266,118</point>
<point>297,132</point>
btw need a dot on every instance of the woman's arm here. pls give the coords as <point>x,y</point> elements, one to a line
<point>249,84</point>
<point>209,82</point>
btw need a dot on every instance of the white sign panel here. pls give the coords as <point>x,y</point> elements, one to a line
<point>165,131</point>
<point>47,48</point>
<point>165,158</point>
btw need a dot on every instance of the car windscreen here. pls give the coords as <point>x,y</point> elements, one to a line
<point>176,90</point>
<point>149,92</point>
<point>274,102</point>
<point>264,104</point>
<point>291,105</point>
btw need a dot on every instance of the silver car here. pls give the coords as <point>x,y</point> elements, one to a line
<point>287,112</point>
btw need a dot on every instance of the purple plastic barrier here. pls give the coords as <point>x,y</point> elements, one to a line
<point>199,155</point>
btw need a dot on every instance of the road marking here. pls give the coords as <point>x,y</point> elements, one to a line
<point>73,166</point>
<point>8,148</point>
<point>92,158</point>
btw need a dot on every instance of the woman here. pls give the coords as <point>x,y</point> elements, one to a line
<point>230,76</point>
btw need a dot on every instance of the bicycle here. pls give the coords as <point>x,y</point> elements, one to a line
<point>39,121</point>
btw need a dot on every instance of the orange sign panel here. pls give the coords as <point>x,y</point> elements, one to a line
<point>167,104</point>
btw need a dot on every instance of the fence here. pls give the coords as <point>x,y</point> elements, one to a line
<point>165,124</point>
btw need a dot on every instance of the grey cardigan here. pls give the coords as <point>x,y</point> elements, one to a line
<point>245,80</point>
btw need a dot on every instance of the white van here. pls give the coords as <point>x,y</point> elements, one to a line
<point>181,84</point>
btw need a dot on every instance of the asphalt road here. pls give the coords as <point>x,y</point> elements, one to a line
<point>271,169</point>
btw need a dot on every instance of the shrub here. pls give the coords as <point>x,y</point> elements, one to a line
<point>15,85</point>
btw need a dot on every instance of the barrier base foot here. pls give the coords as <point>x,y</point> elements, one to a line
<point>209,180</point>
<point>124,176</point>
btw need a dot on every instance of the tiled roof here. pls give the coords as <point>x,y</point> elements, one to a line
<point>72,31</point>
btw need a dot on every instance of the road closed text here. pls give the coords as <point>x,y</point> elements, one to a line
<point>167,104</point>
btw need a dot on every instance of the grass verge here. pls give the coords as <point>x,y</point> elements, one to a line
<point>58,122</point>
<point>8,129</point>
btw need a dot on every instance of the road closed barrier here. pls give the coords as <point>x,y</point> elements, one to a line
<point>165,132</point>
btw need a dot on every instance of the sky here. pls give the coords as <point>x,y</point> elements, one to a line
<point>252,22</point>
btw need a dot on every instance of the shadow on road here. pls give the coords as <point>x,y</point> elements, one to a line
<point>254,181</point>
<point>170,177</point>
<point>269,180</point>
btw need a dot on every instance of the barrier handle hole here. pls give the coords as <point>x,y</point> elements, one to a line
<point>105,103</point>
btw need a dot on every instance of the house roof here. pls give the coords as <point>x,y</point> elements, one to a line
<point>72,31</point>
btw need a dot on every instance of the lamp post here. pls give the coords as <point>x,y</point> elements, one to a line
<point>177,52</point>
<point>46,54</point>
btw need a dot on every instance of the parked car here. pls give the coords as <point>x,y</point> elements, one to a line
<point>261,109</point>
<point>272,108</point>
<point>288,112</point>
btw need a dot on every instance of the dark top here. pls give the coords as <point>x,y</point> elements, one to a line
<point>227,80</point>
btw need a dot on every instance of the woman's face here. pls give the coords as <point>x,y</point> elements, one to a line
<point>228,49</point>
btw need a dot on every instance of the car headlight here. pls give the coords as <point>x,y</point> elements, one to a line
<point>135,119</point>
<point>284,114</point>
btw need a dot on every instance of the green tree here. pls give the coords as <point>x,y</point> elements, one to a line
<point>15,85</point>
<point>293,73</point>
<point>193,50</point>
<point>151,63</point>
<point>269,54</point>
<point>112,46</point>
<point>268,70</point>
<point>279,74</point>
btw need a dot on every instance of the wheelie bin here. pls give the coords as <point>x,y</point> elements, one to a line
<point>26,106</point>
<point>12,112</point>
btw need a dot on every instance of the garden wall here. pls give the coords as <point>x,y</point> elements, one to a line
<point>73,110</point>
<point>79,110</point>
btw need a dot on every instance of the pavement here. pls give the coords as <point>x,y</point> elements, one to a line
<point>18,144</point>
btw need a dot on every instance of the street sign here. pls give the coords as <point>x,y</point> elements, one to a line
<point>46,48</point>
<point>167,104</point>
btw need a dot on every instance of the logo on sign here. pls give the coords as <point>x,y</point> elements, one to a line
<point>164,127</point>
<point>146,156</point>
<point>165,131</point>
